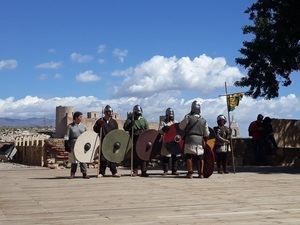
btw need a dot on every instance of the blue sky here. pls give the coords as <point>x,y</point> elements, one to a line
<point>122,53</point>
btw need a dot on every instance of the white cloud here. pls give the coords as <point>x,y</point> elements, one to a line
<point>77,57</point>
<point>87,76</point>
<point>120,54</point>
<point>51,50</point>
<point>155,105</point>
<point>101,61</point>
<point>160,73</point>
<point>8,64</point>
<point>50,65</point>
<point>101,48</point>
<point>57,76</point>
<point>46,76</point>
<point>43,77</point>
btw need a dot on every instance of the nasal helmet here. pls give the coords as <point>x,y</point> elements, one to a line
<point>170,113</point>
<point>195,108</point>
<point>221,117</point>
<point>108,109</point>
<point>137,110</point>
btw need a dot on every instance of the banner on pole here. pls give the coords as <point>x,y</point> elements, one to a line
<point>233,100</point>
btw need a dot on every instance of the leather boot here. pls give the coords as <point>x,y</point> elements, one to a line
<point>224,165</point>
<point>85,176</point>
<point>72,176</point>
<point>200,167</point>
<point>134,173</point>
<point>144,174</point>
<point>165,168</point>
<point>189,168</point>
<point>174,165</point>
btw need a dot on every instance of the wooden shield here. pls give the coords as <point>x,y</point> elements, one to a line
<point>209,157</point>
<point>173,139</point>
<point>86,146</point>
<point>115,145</point>
<point>148,144</point>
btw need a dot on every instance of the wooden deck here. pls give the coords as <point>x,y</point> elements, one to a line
<point>45,196</point>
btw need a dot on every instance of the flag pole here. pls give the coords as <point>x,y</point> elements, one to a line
<point>100,146</point>
<point>131,153</point>
<point>229,122</point>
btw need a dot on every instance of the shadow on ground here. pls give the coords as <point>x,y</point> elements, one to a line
<point>267,169</point>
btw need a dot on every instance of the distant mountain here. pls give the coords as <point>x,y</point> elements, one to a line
<point>30,122</point>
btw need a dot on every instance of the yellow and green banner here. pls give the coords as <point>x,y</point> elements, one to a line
<point>233,100</point>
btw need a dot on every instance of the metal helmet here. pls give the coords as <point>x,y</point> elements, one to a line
<point>196,109</point>
<point>137,110</point>
<point>108,111</point>
<point>260,117</point>
<point>170,113</point>
<point>221,117</point>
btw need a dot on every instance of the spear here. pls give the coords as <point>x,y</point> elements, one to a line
<point>230,139</point>
<point>131,155</point>
<point>100,144</point>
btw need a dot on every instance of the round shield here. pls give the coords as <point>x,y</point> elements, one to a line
<point>86,146</point>
<point>115,145</point>
<point>148,144</point>
<point>209,157</point>
<point>173,140</point>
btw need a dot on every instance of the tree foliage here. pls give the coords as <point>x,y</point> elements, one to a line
<point>274,52</point>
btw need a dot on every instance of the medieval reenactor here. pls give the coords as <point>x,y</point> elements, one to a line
<point>256,131</point>
<point>270,144</point>
<point>166,152</point>
<point>136,124</point>
<point>75,129</point>
<point>222,146</point>
<point>107,123</point>
<point>196,133</point>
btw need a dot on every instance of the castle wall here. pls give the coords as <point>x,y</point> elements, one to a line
<point>64,114</point>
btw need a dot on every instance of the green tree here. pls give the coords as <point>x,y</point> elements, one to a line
<point>274,52</point>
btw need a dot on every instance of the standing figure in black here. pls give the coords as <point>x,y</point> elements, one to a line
<point>256,130</point>
<point>270,144</point>
<point>138,123</point>
<point>222,143</point>
<point>107,123</point>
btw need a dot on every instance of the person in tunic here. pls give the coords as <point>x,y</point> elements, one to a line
<point>107,123</point>
<point>75,129</point>
<point>167,151</point>
<point>256,130</point>
<point>270,144</point>
<point>136,121</point>
<point>222,146</point>
<point>196,133</point>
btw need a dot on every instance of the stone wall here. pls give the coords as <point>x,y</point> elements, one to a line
<point>55,153</point>
<point>244,154</point>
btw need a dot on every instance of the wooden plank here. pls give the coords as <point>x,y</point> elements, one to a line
<point>42,196</point>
